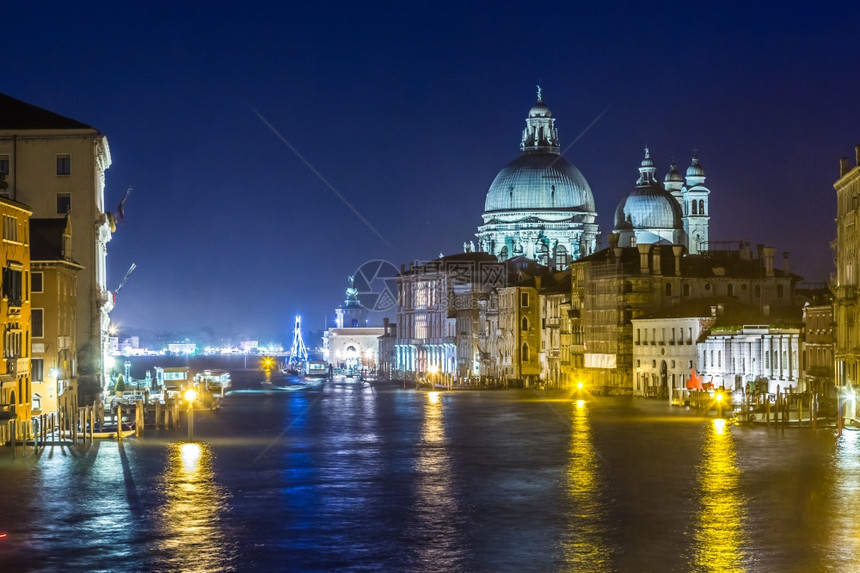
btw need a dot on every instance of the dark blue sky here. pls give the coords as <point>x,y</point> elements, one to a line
<point>409,110</point>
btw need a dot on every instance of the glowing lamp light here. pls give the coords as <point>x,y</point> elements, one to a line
<point>190,395</point>
<point>718,397</point>
<point>579,385</point>
<point>433,369</point>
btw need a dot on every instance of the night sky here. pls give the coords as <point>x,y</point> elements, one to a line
<point>408,110</point>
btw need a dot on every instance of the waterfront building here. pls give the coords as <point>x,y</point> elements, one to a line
<point>539,206</point>
<point>752,349</point>
<point>613,286</point>
<point>554,300</point>
<point>57,165</point>
<point>427,316</point>
<point>386,368</point>
<point>53,284</point>
<point>846,302</point>
<point>664,347</point>
<point>818,345</point>
<point>15,384</point>
<point>352,345</point>
<point>520,331</point>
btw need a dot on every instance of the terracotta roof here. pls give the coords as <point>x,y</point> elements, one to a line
<point>16,114</point>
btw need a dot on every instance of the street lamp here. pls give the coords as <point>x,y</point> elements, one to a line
<point>432,370</point>
<point>190,395</point>
<point>719,398</point>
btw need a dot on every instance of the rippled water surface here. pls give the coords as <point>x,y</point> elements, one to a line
<point>344,476</point>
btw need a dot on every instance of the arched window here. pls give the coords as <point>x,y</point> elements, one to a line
<point>730,290</point>
<point>668,289</point>
<point>780,291</point>
<point>757,291</point>
<point>694,208</point>
<point>525,352</point>
<point>561,257</point>
<point>628,287</point>
<point>542,252</point>
<point>503,253</point>
<point>686,290</point>
<point>701,206</point>
<point>525,323</point>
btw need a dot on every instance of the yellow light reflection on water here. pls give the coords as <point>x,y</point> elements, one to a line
<point>191,538</point>
<point>843,527</point>
<point>720,528</point>
<point>435,498</point>
<point>584,545</point>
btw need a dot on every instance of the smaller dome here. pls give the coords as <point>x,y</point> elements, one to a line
<point>695,170</point>
<point>540,109</point>
<point>649,207</point>
<point>673,175</point>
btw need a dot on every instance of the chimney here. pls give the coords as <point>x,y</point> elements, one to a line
<point>768,261</point>
<point>643,258</point>
<point>385,326</point>
<point>857,155</point>
<point>677,250</point>
<point>760,251</point>
<point>744,250</point>
<point>785,264</point>
<point>843,166</point>
<point>537,283</point>
<point>658,269</point>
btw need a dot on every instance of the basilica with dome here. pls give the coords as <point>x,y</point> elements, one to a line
<point>674,213</point>
<point>541,207</point>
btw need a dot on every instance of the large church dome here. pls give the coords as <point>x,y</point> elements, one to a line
<point>539,206</point>
<point>539,181</point>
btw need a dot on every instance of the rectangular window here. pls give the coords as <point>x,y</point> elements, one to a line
<point>12,285</point>
<point>64,165</point>
<point>4,165</point>
<point>37,282</point>
<point>37,369</point>
<point>524,299</point>
<point>37,319</point>
<point>10,228</point>
<point>64,203</point>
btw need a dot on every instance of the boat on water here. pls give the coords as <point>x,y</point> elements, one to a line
<point>315,369</point>
<point>213,386</point>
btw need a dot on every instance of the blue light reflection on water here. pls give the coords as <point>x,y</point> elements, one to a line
<point>350,477</point>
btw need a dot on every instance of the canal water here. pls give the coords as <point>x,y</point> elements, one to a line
<point>346,476</point>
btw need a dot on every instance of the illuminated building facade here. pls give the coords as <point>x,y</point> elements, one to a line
<point>57,166</point>
<point>15,384</point>
<point>672,213</point>
<point>53,284</point>
<point>846,287</point>
<point>616,285</point>
<point>819,342</point>
<point>539,206</point>
<point>351,345</point>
